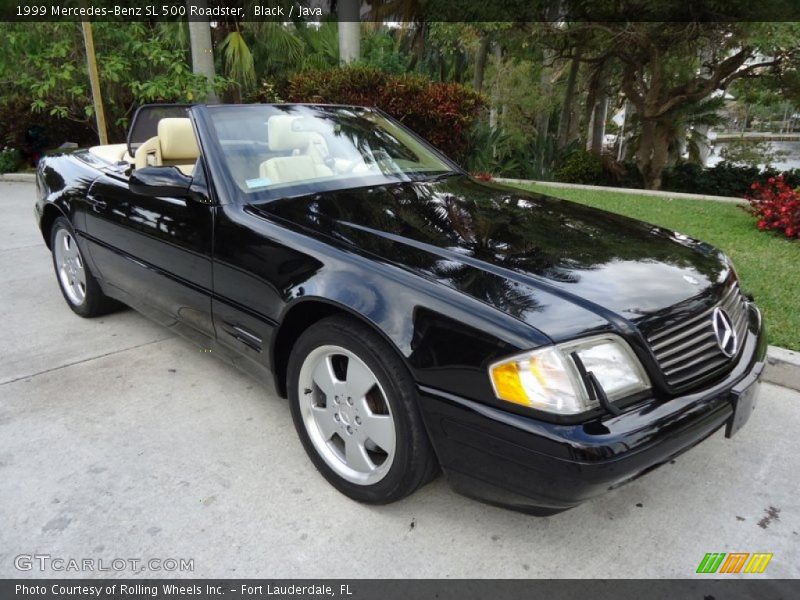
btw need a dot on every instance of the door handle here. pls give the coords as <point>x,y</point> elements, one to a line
<point>96,204</point>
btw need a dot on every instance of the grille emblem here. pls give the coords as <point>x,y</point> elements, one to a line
<point>726,334</point>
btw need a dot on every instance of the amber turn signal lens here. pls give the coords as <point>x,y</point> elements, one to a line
<point>508,384</point>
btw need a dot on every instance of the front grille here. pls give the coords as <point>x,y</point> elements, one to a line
<point>688,351</point>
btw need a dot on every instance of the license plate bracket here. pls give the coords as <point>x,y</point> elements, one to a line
<point>743,402</point>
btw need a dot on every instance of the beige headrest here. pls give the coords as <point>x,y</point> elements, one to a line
<point>281,136</point>
<point>177,138</point>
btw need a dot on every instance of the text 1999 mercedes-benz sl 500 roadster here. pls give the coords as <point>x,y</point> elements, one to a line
<point>538,351</point>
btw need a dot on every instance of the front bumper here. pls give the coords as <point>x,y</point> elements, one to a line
<point>535,466</point>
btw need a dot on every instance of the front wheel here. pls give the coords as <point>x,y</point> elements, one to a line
<point>353,403</point>
<point>78,286</point>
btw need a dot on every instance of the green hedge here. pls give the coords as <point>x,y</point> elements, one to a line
<point>443,113</point>
<point>583,167</point>
<point>723,179</point>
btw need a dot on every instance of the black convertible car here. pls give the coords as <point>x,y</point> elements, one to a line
<point>538,351</point>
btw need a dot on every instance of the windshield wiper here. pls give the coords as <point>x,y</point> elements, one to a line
<point>440,176</point>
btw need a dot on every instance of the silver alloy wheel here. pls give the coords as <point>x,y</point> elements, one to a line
<point>69,262</point>
<point>346,415</point>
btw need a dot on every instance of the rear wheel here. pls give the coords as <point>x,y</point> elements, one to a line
<point>354,407</point>
<point>78,286</point>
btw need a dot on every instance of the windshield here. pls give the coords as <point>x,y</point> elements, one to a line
<point>284,150</point>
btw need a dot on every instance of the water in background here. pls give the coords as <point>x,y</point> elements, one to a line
<point>791,160</point>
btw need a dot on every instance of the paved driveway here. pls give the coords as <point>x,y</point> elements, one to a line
<point>118,440</point>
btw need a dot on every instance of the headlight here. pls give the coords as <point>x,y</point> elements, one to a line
<point>549,379</point>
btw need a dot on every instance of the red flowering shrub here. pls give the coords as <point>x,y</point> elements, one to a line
<point>442,113</point>
<point>777,206</point>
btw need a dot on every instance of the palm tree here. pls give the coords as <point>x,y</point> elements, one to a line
<point>202,50</point>
<point>238,59</point>
<point>277,49</point>
<point>348,12</point>
<point>408,12</point>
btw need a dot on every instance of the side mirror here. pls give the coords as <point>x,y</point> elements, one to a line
<point>160,181</point>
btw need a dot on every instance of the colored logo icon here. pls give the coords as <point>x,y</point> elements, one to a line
<point>734,562</point>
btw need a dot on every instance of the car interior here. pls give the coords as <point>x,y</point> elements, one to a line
<point>292,152</point>
<point>175,145</point>
<point>293,155</point>
<point>307,150</point>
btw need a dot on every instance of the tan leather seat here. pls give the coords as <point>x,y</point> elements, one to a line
<point>112,153</point>
<point>175,145</point>
<point>286,169</point>
<point>148,154</point>
<point>308,148</point>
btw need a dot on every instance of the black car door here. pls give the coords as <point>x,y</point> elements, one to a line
<point>156,250</point>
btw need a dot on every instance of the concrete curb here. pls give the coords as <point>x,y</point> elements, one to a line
<point>602,188</point>
<point>783,367</point>
<point>18,177</point>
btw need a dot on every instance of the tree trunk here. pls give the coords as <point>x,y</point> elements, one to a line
<point>599,124</point>
<point>568,105</point>
<point>785,122</point>
<point>574,129</point>
<point>202,50</point>
<point>703,147</point>
<point>94,80</point>
<point>349,31</point>
<point>651,157</point>
<point>546,87</point>
<point>498,57</point>
<point>480,63</point>
<point>418,45</point>
<point>677,146</point>
<point>593,92</point>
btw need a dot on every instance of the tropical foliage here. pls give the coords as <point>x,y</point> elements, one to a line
<point>140,63</point>
<point>549,86</point>
<point>723,179</point>
<point>442,112</point>
<point>10,159</point>
<point>43,66</point>
<point>584,167</point>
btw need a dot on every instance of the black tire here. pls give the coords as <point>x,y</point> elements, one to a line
<point>94,302</point>
<point>414,462</point>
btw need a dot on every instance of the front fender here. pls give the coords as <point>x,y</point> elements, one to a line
<point>446,340</point>
<point>272,266</point>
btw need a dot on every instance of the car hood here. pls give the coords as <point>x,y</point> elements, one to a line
<point>517,251</point>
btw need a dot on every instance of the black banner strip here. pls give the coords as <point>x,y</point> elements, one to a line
<point>395,589</point>
<point>428,11</point>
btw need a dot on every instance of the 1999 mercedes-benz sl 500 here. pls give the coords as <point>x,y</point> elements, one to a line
<point>538,351</point>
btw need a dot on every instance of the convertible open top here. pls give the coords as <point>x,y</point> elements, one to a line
<point>144,134</point>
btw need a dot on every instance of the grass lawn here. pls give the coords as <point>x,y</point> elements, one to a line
<point>768,265</point>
